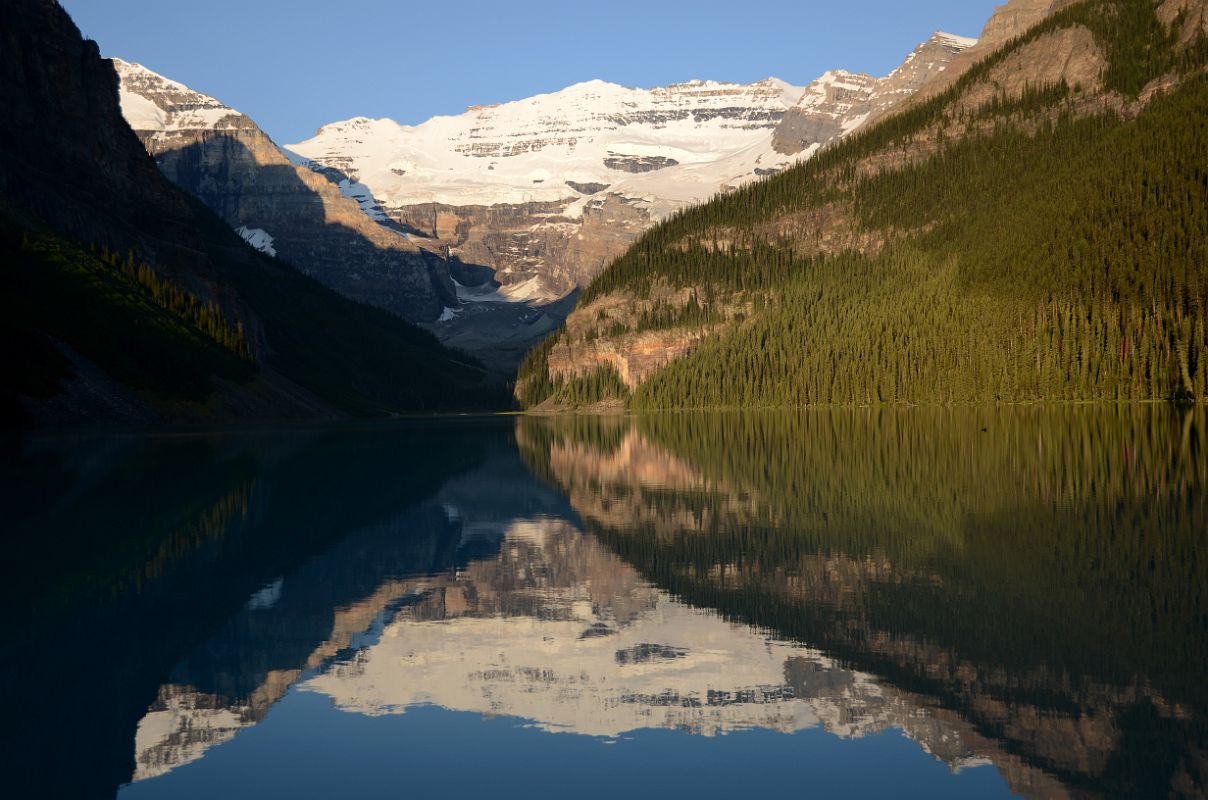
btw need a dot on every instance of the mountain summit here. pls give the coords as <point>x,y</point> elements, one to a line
<point>842,102</point>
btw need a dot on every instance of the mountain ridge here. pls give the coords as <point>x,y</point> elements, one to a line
<point>222,157</point>
<point>812,124</point>
<point>887,251</point>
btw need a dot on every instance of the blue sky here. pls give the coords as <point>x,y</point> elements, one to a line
<point>293,65</point>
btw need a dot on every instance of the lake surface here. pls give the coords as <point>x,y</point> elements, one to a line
<point>913,603</point>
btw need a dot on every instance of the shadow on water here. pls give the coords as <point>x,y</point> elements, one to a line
<point>1022,588</point>
<point>132,560</point>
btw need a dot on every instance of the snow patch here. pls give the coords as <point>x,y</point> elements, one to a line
<point>257,238</point>
<point>365,199</point>
<point>953,39</point>
<point>531,289</point>
<point>140,113</point>
<point>855,122</point>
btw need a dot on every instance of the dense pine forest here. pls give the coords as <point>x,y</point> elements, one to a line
<point>1051,247</point>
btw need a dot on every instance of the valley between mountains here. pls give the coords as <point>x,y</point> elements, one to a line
<point>484,225</point>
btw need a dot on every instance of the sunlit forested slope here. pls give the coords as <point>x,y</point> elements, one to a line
<point>1037,231</point>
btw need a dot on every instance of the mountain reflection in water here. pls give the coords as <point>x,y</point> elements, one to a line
<point>1024,591</point>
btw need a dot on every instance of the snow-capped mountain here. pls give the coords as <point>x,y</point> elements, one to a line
<point>674,143</point>
<point>546,190</point>
<point>223,158</point>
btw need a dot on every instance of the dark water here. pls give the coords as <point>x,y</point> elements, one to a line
<point>826,604</point>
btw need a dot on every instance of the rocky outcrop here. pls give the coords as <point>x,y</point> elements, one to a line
<point>1191,17</point>
<point>609,333</point>
<point>625,163</point>
<point>1008,21</point>
<point>1070,56</point>
<point>929,61</point>
<point>1013,18</point>
<point>835,102</point>
<point>633,356</point>
<point>223,158</point>
<point>532,249</point>
<point>841,102</point>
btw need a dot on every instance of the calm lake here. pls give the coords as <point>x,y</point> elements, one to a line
<point>861,603</point>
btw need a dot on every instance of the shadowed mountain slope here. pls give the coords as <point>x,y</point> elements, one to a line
<point>127,301</point>
<point>223,158</point>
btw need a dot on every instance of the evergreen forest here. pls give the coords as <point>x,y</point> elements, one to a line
<point>1052,246</point>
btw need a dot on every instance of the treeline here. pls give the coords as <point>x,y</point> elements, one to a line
<point>59,297</point>
<point>1046,256</point>
<point>692,313</point>
<point>206,315</point>
<point>596,386</point>
<point>534,383</point>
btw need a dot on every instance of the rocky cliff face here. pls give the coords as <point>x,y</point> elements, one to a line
<point>841,102</point>
<point>66,159</point>
<point>533,249</point>
<point>590,339</point>
<point>836,102</point>
<point>223,158</point>
<point>1191,17</point>
<point>1008,21</point>
<point>1013,18</point>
